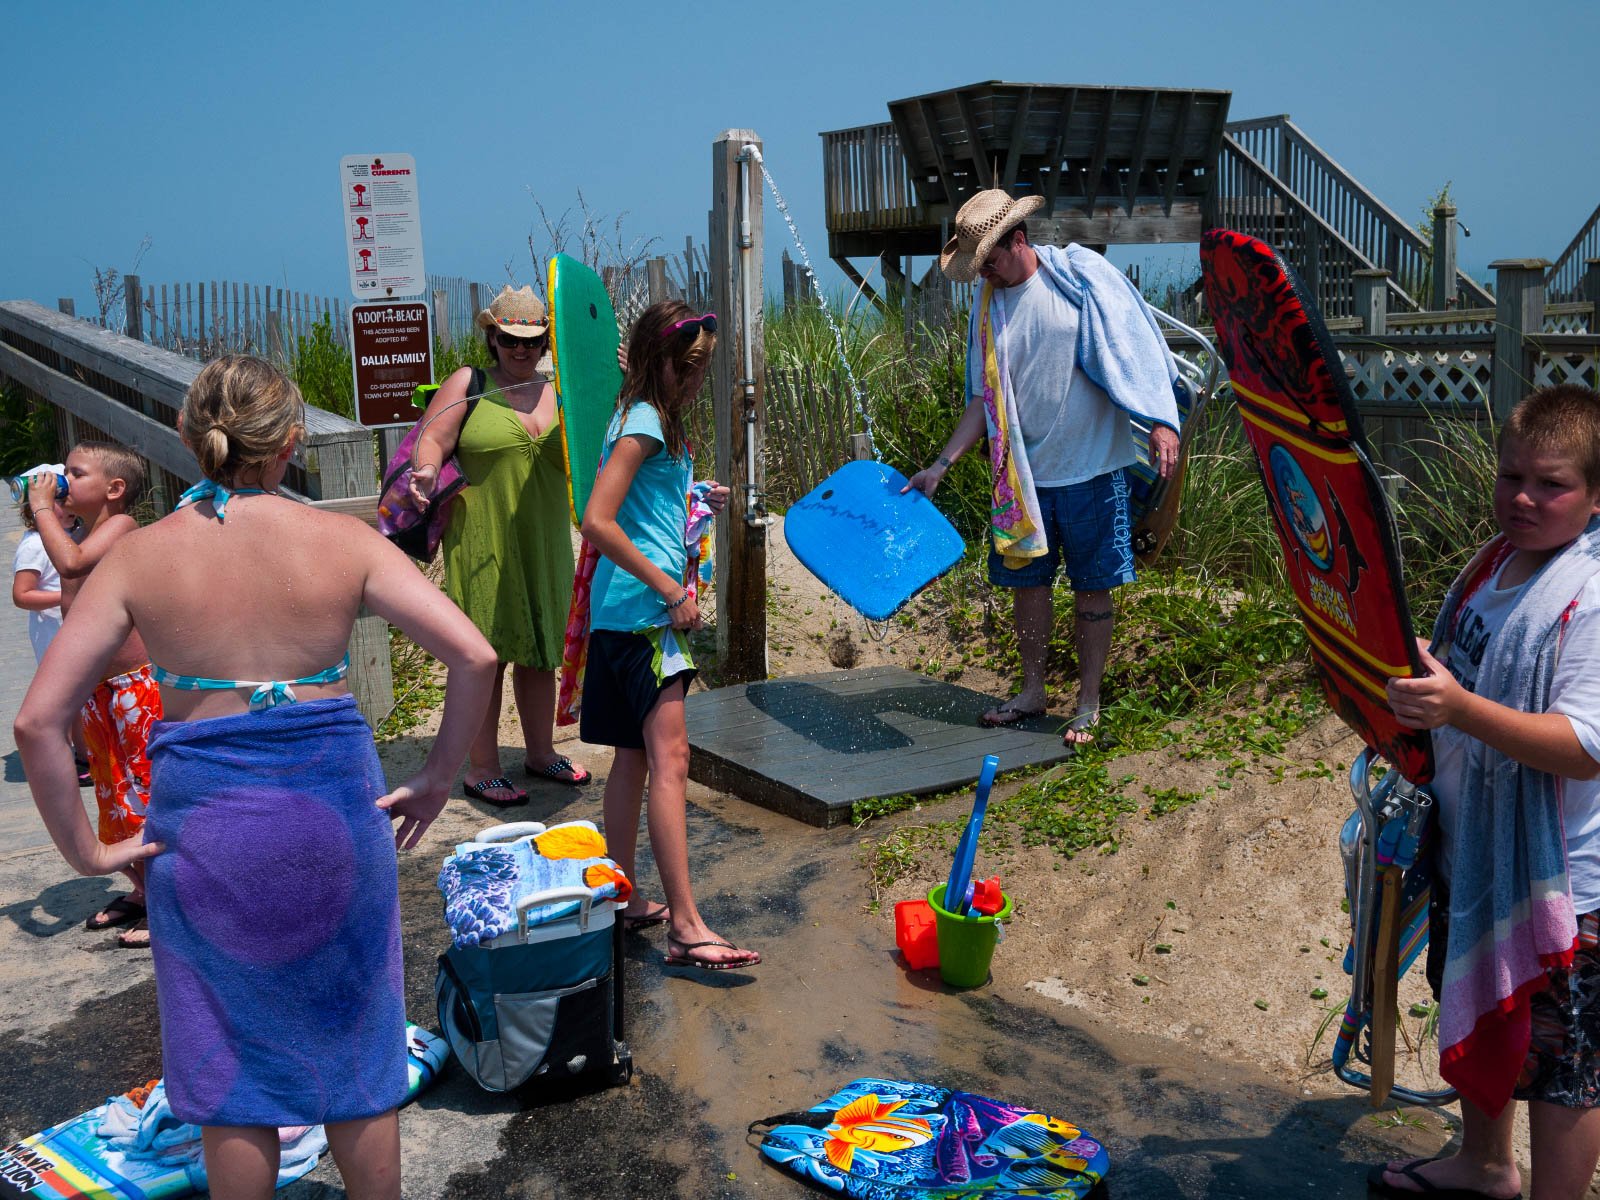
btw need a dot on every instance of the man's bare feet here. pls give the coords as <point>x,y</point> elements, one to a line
<point>1080,730</point>
<point>1014,711</point>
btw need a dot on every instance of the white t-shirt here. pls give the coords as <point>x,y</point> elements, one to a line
<point>1574,692</point>
<point>1070,429</point>
<point>30,556</point>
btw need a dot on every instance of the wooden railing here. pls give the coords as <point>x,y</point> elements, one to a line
<point>1252,200</point>
<point>105,386</point>
<point>1364,223</point>
<point>866,181</point>
<point>1565,279</point>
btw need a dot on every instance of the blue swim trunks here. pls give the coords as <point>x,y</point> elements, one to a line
<point>1087,526</point>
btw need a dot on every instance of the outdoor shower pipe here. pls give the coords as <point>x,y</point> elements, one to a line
<point>753,514</point>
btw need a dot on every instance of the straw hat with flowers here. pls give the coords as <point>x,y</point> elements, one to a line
<point>519,313</point>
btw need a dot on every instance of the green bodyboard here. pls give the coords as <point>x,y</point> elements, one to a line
<point>583,349</point>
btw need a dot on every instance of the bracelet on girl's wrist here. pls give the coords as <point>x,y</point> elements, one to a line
<point>678,603</point>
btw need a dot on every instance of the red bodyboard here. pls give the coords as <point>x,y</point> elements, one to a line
<point>1327,503</point>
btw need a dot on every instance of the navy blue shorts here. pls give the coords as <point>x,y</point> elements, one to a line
<point>1087,526</point>
<point>620,688</point>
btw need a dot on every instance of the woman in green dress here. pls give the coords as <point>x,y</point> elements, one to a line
<point>508,546</point>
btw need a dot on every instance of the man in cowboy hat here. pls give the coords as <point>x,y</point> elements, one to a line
<point>1061,352</point>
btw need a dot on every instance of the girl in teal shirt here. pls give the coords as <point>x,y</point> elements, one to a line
<point>639,663</point>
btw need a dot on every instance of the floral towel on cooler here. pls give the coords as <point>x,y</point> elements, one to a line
<point>483,882</point>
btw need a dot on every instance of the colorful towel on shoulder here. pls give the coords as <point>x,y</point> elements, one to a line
<point>1120,347</point>
<point>575,650</point>
<point>483,882</point>
<point>883,1139</point>
<point>1511,916</point>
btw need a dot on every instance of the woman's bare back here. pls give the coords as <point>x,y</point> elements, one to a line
<point>270,593</point>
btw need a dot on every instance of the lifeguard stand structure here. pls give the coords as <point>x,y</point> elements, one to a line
<point>1121,165</point>
<point>1115,165</point>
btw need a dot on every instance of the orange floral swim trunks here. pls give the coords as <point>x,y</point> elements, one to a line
<point>116,727</point>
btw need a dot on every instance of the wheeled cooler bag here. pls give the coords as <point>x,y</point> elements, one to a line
<point>543,1000</point>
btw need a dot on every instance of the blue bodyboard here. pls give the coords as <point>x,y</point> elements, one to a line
<point>871,546</point>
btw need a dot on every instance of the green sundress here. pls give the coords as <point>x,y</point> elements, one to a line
<point>508,546</point>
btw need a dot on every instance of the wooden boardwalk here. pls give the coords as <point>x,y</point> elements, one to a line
<point>810,746</point>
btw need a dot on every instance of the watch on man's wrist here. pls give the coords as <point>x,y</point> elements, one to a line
<point>945,462</point>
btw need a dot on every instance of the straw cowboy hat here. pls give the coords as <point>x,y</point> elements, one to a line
<point>983,221</point>
<point>519,313</point>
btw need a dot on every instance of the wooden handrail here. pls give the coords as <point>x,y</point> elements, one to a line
<point>121,388</point>
<point>1236,157</point>
<point>1379,234</point>
<point>1565,276</point>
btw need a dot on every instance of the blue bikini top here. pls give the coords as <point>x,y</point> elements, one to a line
<point>266,693</point>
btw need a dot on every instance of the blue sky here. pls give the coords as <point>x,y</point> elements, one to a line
<point>217,129</point>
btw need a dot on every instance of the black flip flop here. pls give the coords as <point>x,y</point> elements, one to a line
<point>660,916</point>
<point>121,911</point>
<point>1378,1186</point>
<point>553,771</point>
<point>705,964</point>
<point>475,791</point>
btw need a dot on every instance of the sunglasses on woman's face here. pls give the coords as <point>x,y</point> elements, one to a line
<point>510,341</point>
<point>708,322</point>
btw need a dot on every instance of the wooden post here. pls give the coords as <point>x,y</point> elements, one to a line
<point>1519,316</point>
<point>132,297</point>
<point>1372,300</point>
<point>275,346</point>
<point>1591,291</point>
<point>1444,256</point>
<point>741,546</point>
<point>441,317</point>
<point>656,279</point>
<point>66,305</point>
<point>344,468</point>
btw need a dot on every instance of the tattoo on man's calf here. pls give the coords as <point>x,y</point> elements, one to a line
<point>1095,614</point>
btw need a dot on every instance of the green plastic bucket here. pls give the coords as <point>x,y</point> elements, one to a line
<point>966,944</point>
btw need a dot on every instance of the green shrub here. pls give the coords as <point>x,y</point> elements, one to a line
<point>321,368</point>
<point>27,431</point>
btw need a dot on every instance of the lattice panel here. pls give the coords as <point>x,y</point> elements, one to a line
<point>1437,377</point>
<point>1580,367</point>
<point>1444,326</point>
<point>1570,322</point>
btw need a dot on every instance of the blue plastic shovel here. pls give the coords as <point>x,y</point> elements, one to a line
<point>956,899</point>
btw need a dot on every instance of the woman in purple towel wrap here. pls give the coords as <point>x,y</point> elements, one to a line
<point>273,897</point>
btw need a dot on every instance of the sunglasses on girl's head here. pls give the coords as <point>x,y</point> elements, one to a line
<point>509,341</point>
<point>708,322</point>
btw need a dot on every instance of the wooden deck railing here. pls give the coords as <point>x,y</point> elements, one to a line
<point>1565,279</point>
<point>1252,200</point>
<point>105,386</point>
<point>1377,234</point>
<point>866,181</point>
